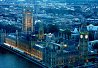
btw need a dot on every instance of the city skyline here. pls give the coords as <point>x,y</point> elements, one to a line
<point>50,33</point>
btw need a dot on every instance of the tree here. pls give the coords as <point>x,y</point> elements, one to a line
<point>53,28</point>
<point>95,46</point>
<point>68,33</point>
<point>91,35</point>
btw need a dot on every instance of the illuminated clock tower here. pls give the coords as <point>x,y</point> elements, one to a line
<point>83,43</point>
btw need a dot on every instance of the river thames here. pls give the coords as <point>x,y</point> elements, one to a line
<point>11,60</point>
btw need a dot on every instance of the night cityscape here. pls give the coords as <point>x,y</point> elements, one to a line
<point>48,33</point>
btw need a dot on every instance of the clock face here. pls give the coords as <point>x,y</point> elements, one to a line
<point>86,36</point>
<point>81,36</point>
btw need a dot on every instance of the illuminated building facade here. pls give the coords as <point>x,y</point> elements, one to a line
<point>37,51</point>
<point>24,44</point>
<point>27,21</point>
<point>51,53</point>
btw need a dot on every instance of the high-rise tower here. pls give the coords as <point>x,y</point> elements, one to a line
<point>83,43</point>
<point>41,30</point>
<point>27,21</point>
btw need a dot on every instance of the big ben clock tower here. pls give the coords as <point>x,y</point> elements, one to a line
<point>83,43</point>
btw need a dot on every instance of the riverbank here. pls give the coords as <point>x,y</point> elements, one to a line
<point>24,55</point>
<point>9,59</point>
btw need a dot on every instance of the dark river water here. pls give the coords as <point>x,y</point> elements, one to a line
<point>11,60</point>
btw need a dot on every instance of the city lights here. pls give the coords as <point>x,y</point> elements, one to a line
<point>50,33</point>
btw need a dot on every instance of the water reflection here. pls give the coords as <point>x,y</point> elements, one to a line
<point>10,60</point>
